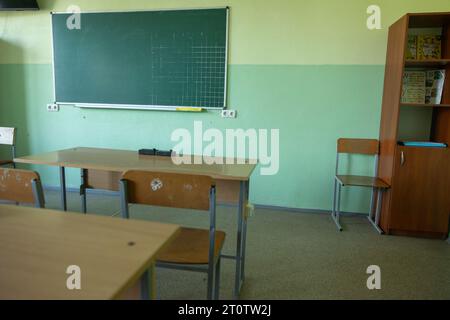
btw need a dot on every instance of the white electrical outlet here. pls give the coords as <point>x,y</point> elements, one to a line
<point>51,107</point>
<point>229,113</point>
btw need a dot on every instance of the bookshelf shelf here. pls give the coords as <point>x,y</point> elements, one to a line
<point>425,105</point>
<point>427,63</point>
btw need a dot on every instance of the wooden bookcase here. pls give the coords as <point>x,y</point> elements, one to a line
<point>418,202</point>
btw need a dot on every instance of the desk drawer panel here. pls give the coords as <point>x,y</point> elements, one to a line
<point>227,191</point>
<point>104,180</point>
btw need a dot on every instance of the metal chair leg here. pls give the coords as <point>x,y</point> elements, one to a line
<point>379,205</point>
<point>217,280</point>
<point>39,200</point>
<point>372,203</point>
<point>333,210</point>
<point>375,223</point>
<point>337,212</point>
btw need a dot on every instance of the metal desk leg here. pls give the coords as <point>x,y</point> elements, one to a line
<point>62,177</point>
<point>148,289</point>
<point>217,279</point>
<point>83,191</point>
<point>244,231</point>
<point>238,277</point>
<point>244,238</point>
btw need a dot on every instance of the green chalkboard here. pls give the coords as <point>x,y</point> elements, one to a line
<point>173,58</point>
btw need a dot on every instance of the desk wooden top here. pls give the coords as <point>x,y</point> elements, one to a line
<point>123,160</point>
<point>37,246</point>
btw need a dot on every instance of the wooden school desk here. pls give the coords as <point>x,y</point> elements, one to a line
<point>37,246</point>
<point>102,168</point>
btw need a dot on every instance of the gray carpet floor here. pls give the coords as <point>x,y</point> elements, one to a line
<point>294,255</point>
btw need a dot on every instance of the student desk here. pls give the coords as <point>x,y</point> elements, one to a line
<point>102,168</point>
<point>37,246</point>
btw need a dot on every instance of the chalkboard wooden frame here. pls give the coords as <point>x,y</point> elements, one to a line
<point>133,106</point>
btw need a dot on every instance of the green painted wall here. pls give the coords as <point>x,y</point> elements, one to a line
<point>300,31</point>
<point>319,77</point>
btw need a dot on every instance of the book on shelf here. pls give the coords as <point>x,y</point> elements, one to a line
<point>423,86</point>
<point>429,47</point>
<point>411,51</point>
<point>434,86</point>
<point>414,83</point>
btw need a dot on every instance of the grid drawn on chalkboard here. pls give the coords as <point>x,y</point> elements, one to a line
<point>193,76</point>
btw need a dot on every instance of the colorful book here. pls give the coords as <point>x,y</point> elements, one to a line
<point>411,51</point>
<point>429,47</point>
<point>414,87</point>
<point>434,86</point>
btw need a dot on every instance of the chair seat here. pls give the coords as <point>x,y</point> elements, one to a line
<point>191,246</point>
<point>362,181</point>
<point>5,162</point>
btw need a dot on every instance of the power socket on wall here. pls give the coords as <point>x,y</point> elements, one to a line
<point>229,114</point>
<point>51,107</point>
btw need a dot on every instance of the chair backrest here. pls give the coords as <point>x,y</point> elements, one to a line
<point>168,189</point>
<point>7,136</point>
<point>171,190</point>
<point>21,186</point>
<point>369,147</point>
<point>358,146</point>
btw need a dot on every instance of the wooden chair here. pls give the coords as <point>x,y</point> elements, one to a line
<point>365,147</point>
<point>8,137</point>
<point>193,249</point>
<point>21,186</point>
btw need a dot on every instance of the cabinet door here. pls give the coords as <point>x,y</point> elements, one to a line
<point>421,190</point>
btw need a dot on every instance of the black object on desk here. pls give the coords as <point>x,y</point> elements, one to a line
<point>155,152</point>
<point>147,152</point>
